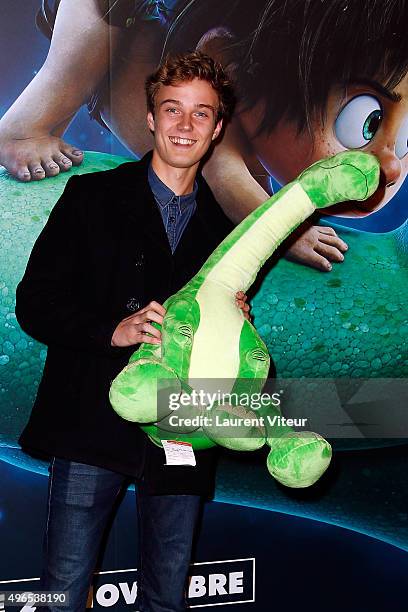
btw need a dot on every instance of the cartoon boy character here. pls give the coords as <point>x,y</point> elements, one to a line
<point>314,78</point>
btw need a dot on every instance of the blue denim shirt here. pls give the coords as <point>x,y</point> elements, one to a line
<point>176,211</point>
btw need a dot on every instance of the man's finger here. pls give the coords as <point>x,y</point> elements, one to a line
<point>149,339</point>
<point>329,252</point>
<point>333,241</point>
<point>147,328</point>
<point>153,307</point>
<point>326,230</point>
<point>151,315</point>
<point>157,308</point>
<point>318,262</point>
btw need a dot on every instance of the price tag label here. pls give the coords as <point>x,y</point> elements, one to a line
<point>178,453</point>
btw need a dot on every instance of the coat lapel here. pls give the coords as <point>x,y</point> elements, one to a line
<point>143,241</point>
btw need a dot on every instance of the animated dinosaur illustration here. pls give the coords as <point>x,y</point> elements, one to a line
<point>205,337</point>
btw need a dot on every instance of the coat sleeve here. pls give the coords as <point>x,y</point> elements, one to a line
<point>47,303</point>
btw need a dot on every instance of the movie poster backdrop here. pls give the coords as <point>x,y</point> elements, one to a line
<point>312,78</point>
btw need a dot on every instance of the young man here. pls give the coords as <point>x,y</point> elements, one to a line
<point>116,245</point>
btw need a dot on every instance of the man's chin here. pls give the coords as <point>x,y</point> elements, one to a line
<point>183,161</point>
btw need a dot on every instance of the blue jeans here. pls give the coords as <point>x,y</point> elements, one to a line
<point>80,502</point>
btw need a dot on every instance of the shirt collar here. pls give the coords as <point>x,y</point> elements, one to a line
<point>164,195</point>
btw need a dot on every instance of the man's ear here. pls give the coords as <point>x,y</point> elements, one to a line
<point>217,130</point>
<point>150,121</point>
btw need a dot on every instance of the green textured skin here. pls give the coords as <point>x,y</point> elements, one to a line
<point>351,322</point>
<point>295,311</point>
<point>296,459</point>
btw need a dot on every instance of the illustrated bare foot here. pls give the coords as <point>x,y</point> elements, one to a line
<point>35,158</point>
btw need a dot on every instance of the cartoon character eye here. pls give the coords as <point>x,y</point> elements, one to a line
<point>358,122</point>
<point>401,143</point>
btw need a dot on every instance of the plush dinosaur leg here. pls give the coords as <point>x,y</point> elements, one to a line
<point>297,458</point>
<point>134,392</point>
<point>179,326</point>
<point>155,374</point>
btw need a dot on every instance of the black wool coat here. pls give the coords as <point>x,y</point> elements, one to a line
<point>102,255</point>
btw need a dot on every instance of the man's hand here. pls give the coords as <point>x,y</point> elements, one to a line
<point>315,246</point>
<point>241,302</point>
<point>138,328</point>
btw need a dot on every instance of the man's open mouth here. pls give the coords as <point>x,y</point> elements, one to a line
<point>182,141</point>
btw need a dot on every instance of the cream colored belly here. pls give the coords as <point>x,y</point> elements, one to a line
<point>216,343</point>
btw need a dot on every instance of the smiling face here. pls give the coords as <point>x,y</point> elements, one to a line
<point>184,123</point>
<point>364,116</point>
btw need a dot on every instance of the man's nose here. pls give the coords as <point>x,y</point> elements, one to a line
<point>389,162</point>
<point>185,123</point>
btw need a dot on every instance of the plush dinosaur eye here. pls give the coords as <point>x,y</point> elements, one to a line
<point>259,355</point>
<point>401,143</point>
<point>186,330</point>
<point>358,122</point>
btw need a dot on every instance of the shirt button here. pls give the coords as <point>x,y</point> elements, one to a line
<point>133,305</point>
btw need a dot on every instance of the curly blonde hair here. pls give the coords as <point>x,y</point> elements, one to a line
<point>196,65</point>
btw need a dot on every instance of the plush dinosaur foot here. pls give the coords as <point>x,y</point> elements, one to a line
<point>235,427</point>
<point>350,175</point>
<point>298,459</point>
<point>140,393</point>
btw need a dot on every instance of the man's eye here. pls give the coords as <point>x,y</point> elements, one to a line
<point>200,114</point>
<point>172,110</point>
<point>358,122</point>
<point>401,143</point>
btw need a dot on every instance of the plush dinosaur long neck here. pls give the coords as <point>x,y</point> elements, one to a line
<point>233,266</point>
<point>238,259</point>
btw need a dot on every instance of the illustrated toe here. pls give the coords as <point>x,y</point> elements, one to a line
<point>37,172</point>
<point>63,162</point>
<point>51,167</point>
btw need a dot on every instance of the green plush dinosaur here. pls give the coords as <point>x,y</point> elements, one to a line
<point>207,343</point>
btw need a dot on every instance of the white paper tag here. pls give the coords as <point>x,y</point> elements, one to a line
<point>178,453</point>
